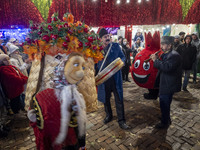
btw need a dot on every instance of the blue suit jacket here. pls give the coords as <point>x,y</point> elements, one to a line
<point>114,53</point>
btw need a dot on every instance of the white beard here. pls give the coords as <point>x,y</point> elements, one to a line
<point>65,98</point>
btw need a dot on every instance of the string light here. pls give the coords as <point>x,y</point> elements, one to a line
<point>18,34</point>
<point>139,1</point>
<point>118,1</point>
<point>127,1</point>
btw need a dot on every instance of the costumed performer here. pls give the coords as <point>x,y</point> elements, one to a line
<point>114,84</point>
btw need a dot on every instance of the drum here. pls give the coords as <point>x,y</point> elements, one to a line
<point>109,71</point>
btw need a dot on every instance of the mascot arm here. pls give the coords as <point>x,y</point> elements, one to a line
<point>167,66</point>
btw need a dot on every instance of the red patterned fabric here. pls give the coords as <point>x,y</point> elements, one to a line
<point>100,13</point>
<point>12,81</point>
<point>18,12</point>
<point>146,77</point>
<point>51,112</point>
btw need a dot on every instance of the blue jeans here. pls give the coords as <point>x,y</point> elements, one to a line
<point>186,78</point>
<point>195,66</point>
<point>165,102</point>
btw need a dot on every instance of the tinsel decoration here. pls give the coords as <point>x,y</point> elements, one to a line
<point>193,14</point>
<point>43,6</point>
<point>186,5</point>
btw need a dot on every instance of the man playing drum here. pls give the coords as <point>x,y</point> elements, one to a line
<point>114,83</point>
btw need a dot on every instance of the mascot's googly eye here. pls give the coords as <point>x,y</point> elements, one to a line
<point>83,68</point>
<point>76,64</point>
<point>137,64</point>
<point>146,66</point>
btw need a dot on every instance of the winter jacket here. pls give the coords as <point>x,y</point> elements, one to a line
<point>17,61</point>
<point>197,44</point>
<point>114,53</point>
<point>188,54</point>
<point>170,72</point>
<point>12,81</point>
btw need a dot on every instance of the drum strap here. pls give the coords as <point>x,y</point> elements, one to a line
<point>105,58</point>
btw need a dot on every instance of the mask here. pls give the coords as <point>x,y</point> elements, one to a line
<point>124,43</point>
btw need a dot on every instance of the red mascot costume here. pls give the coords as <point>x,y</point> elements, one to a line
<point>142,70</point>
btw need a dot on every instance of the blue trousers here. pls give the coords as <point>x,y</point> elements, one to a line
<point>186,78</point>
<point>165,102</point>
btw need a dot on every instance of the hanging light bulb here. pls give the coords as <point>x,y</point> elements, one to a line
<point>139,1</point>
<point>127,1</point>
<point>118,1</point>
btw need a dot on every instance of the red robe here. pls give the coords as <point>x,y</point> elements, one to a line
<point>12,81</point>
<point>47,127</point>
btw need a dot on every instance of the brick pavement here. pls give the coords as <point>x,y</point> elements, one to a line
<point>141,115</point>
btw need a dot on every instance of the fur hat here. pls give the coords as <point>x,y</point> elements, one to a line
<point>11,47</point>
<point>2,57</point>
<point>167,40</point>
<point>12,40</point>
<point>102,32</point>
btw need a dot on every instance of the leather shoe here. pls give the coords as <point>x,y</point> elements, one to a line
<point>107,119</point>
<point>128,80</point>
<point>124,126</point>
<point>148,96</point>
<point>185,89</point>
<point>161,126</point>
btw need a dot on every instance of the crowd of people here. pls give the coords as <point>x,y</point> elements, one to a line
<point>181,57</point>
<point>14,67</point>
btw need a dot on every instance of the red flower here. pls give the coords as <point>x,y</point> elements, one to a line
<point>46,38</point>
<point>90,39</point>
<point>65,45</point>
<point>80,44</point>
<point>67,39</point>
<point>50,27</point>
<point>54,36</point>
<point>86,30</point>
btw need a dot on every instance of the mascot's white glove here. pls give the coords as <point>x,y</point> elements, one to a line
<point>31,115</point>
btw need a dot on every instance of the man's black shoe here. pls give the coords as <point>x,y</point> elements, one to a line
<point>148,96</point>
<point>107,119</point>
<point>124,126</point>
<point>128,80</point>
<point>161,126</point>
<point>185,89</point>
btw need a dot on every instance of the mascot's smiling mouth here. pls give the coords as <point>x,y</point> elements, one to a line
<point>141,78</point>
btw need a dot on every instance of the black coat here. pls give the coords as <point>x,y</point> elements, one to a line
<point>170,72</point>
<point>188,54</point>
<point>127,52</point>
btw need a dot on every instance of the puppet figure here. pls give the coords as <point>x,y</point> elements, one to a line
<point>58,116</point>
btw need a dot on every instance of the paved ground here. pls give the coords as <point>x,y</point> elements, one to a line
<point>141,115</point>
